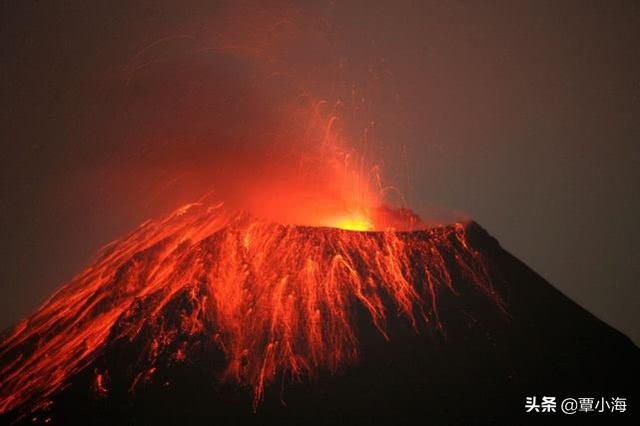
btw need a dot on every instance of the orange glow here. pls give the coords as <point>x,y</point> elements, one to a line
<point>278,299</point>
<point>352,222</point>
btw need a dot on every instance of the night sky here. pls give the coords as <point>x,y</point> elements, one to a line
<point>523,115</point>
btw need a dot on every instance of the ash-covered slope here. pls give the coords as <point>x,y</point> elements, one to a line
<point>207,317</point>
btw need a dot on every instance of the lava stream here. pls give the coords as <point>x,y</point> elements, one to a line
<point>277,299</point>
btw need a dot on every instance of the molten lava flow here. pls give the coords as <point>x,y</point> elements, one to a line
<point>277,299</point>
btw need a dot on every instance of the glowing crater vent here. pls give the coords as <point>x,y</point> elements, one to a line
<point>352,222</point>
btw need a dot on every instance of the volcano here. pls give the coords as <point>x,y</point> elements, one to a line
<point>213,316</point>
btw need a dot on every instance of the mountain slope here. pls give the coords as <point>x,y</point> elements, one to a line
<point>212,316</point>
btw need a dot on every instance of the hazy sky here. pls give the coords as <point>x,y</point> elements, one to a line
<point>523,115</point>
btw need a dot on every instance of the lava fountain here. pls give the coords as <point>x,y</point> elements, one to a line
<point>276,276</point>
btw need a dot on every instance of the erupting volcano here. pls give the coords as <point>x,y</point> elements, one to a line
<point>249,307</point>
<point>319,281</point>
<point>278,300</point>
<point>296,295</point>
<point>302,297</point>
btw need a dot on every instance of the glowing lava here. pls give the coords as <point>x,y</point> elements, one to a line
<point>352,222</point>
<point>277,299</point>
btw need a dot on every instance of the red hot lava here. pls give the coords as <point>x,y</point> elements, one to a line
<point>280,299</point>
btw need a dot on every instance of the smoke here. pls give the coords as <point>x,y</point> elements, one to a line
<point>260,107</point>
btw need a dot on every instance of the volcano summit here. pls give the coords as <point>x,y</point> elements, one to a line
<point>211,314</point>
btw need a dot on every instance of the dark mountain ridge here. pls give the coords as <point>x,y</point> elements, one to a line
<point>474,361</point>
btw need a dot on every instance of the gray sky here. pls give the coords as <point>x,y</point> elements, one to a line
<point>523,115</point>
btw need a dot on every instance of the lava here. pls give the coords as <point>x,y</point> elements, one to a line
<point>277,299</point>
